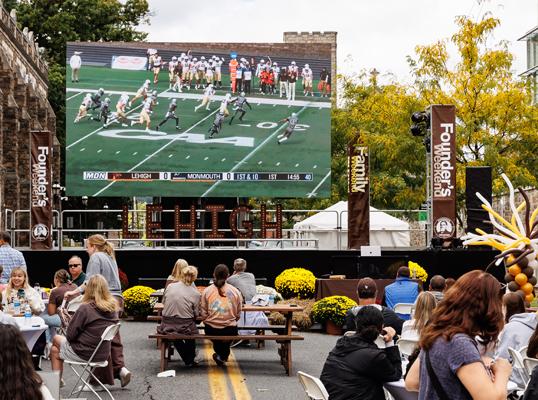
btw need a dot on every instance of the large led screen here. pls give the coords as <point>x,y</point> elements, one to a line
<point>198,120</point>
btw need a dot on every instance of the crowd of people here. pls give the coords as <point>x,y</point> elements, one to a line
<point>462,335</point>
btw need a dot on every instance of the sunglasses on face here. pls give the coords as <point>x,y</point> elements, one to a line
<point>74,265</point>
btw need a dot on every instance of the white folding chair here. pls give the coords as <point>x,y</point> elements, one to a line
<point>88,366</point>
<point>406,346</point>
<point>404,308</point>
<point>523,351</point>
<point>51,380</point>
<point>529,364</point>
<point>517,362</point>
<point>398,391</point>
<point>313,387</point>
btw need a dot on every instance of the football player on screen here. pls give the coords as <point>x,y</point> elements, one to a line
<point>120,110</point>
<point>170,114</point>
<point>83,109</point>
<point>145,114</point>
<point>217,124</point>
<point>292,123</point>
<point>224,104</point>
<point>239,107</point>
<point>104,112</point>
<point>141,93</point>
<point>209,91</point>
<point>307,75</point>
<point>96,99</point>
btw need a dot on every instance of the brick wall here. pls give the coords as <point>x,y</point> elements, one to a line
<point>23,107</point>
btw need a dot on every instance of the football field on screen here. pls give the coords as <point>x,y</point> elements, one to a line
<point>243,149</point>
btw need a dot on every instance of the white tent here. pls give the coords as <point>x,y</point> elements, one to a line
<point>385,230</point>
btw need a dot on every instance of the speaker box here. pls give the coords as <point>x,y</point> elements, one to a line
<point>477,179</point>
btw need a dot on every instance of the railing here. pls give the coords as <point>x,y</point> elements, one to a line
<point>71,227</point>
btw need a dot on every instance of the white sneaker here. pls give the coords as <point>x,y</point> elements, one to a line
<point>86,388</point>
<point>125,376</point>
<point>124,125</point>
<point>279,136</point>
<point>133,122</point>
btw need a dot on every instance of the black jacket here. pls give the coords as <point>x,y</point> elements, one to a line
<point>356,370</point>
<point>390,318</point>
<point>532,388</point>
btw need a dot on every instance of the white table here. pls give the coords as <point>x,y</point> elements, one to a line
<point>31,330</point>
<point>398,391</point>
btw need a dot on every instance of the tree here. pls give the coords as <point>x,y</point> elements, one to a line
<point>54,22</point>
<point>496,122</point>
<point>381,115</point>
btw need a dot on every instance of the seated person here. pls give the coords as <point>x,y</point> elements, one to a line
<point>62,284</point>
<point>244,281</point>
<point>18,288</point>
<point>517,330</point>
<point>2,285</point>
<point>367,292</point>
<point>404,290</point>
<point>77,276</point>
<point>425,305</point>
<point>356,368</point>
<point>18,379</point>
<point>181,302</point>
<point>221,308</point>
<point>175,276</point>
<point>97,312</point>
<point>437,287</point>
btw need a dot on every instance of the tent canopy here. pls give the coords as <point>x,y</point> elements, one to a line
<point>385,230</point>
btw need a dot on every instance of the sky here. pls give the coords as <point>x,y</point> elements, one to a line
<point>376,34</point>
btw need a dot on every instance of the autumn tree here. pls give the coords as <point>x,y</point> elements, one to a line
<point>496,123</point>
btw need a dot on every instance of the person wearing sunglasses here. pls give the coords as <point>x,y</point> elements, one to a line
<point>75,270</point>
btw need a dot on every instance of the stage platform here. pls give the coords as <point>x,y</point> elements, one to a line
<point>158,263</point>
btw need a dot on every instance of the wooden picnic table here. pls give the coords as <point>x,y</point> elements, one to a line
<point>283,337</point>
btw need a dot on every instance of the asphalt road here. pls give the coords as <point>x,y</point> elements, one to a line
<point>255,374</point>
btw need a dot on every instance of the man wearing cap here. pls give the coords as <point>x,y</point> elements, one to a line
<point>75,62</point>
<point>367,293</point>
<point>404,290</point>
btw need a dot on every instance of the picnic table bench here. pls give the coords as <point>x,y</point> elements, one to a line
<point>283,336</point>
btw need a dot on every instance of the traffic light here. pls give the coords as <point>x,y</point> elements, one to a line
<point>421,123</point>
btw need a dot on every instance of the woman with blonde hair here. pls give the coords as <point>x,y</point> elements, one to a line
<point>103,261</point>
<point>424,307</point>
<point>181,308</point>
<point>98,311</point>
<point>19,288</point>
<point>175,276</point>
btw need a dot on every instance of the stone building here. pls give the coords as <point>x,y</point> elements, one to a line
<point>23,108</point>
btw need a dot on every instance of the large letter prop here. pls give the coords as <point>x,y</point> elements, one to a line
<point>517,240</point>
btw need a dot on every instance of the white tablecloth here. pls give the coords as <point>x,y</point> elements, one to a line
<point>31,330</point>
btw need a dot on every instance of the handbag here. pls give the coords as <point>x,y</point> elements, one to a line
<point>434,380</point>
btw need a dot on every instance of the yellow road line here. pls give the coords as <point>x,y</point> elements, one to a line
<point>238,380</point>
<point>216,376</point>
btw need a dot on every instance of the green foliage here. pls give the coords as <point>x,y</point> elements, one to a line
<point>333,308</point>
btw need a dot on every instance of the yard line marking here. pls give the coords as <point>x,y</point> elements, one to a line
<point>296,165</point>
<point>170,156</point>
<point>189,156</point>
<point>313,192</point>
<point>237,379</point>
<point>135,153</point>
<point>207,158</point>
<point>84,148</point>
<point>277,164</point>
<point>247,157</point>
<point>75,95</point>
<point>274,105</point>
<point>157,151</point>
<point>315,166</point>
<point>224,159</point>
<point>248,125</point>
<point>260,162</point>
<point>118,152</point>
<point>218,386</point>
<point>100,150</point>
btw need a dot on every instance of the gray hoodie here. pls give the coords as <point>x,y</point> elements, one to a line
<point>516,334</point>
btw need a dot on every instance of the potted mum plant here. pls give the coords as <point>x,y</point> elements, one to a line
<point>331,311</point>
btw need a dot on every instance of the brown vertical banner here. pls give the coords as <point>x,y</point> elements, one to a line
<point>41,190</point>
<point>358,202</point>
<point>443,173</point>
